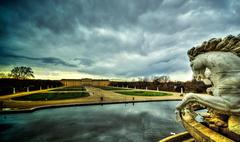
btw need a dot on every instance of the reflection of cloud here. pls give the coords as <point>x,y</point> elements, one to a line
<point>96,123</point>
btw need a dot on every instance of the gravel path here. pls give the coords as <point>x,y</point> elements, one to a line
<point>97,96</point>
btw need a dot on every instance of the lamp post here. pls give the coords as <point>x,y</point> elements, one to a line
<point>181,94</point>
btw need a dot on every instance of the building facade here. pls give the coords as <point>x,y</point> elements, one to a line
<point>85,82</point>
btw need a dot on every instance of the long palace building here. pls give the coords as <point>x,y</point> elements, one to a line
<point>85,82</point>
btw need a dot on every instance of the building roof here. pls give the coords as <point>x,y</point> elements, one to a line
<point>85,79</point>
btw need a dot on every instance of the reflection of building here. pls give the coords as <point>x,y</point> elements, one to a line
<point>86,82</point>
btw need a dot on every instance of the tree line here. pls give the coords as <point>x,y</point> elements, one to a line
<point>20,79</point>
<point>163,83</point>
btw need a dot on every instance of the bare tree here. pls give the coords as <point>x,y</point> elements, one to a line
<point>140,79</point>
<point>146,79</point>
<point>22,72</point>
<point>161,79</point>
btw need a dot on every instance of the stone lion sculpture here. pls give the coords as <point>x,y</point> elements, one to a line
<point>222,58</point>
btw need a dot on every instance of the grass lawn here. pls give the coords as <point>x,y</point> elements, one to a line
<point>70,89</point>
<point>51,96</point>
<point>144,93</point>
<point>114,88</point>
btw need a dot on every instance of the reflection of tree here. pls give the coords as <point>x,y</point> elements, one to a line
<point>22,72</point>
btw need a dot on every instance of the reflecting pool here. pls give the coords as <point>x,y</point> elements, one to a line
<point>141,122</point>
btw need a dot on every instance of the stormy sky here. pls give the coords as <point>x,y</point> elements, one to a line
<point>118,39</point>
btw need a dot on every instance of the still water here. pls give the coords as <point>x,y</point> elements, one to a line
<point>141,122</point>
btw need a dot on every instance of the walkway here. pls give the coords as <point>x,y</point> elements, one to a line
<point>96,94</point>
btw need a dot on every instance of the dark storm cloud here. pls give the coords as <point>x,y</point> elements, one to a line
<point>61,16</point>
<point>7,58</point>
<point>84,61</point>
<point>126,38</point>
<point>52,60</point>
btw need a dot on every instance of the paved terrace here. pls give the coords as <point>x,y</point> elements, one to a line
<point>95,98</point>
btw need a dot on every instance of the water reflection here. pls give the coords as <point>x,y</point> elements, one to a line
<point>118,122</point>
